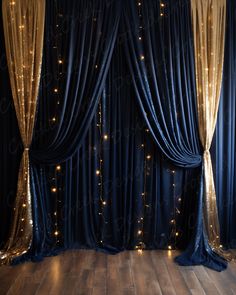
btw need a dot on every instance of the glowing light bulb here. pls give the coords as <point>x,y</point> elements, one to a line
<point>55,90</point>
<point>104,202</point>
<point>60,61</point>
<point>24,205</point>
<point>139,232</point>
<point>148,157</point>
<point>58,168</point>
<point>142,57</point>
<point>54,189</point>
<point>105,136</point>
<point>56,233</point>
<point>97,172</point>
<point>169,247</point>
<point>54,119</point>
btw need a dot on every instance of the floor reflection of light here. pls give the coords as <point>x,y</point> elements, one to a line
<point>56,270</point>
<point>169,252</point>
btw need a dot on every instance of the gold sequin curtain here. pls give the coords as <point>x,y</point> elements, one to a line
<point>23,22</point>
<point>208,21</point>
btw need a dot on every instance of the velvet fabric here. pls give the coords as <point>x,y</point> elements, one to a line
<point>161,60</point>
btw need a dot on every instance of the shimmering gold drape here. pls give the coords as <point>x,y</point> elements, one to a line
<point>23,22</point>
<point>208,20</point>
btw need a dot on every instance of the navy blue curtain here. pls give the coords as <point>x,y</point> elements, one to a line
<point>132,163</point>
<point>224,143</point>
<point>81,36</point>
<point>160,54</point>
<point>82,220</point>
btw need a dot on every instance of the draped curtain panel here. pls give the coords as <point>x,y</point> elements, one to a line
<point>208,22</point>
<point>164,81</point>
<point>23,30</point>
<point>81,36</point>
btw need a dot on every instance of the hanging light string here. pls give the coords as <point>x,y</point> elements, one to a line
<point>173,218</point>
<point>56,92</point>
<point>99,172</point>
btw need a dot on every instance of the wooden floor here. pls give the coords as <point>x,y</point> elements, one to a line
<point>89,272</point>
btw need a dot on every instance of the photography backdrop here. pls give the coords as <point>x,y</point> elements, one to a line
<point>98,178</point>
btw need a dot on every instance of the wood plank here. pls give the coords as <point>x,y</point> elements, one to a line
<point>206,282</point>
<point>162,273</point>
<point>219,281</point>
<point>191,280</point>
<point>144,276</point>
<point>175,274</point>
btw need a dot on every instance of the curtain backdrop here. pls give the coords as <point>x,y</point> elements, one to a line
<point>161,60</point>
<point>77,201</point>
<point>23,30</point>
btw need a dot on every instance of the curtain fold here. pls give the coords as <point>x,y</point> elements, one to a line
<point>82,35</point>
<point>161,60</point>
<point>208,22</point>
<point>23,22</point>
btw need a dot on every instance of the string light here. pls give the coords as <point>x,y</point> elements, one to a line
<point>58,168</point>
<point>142,57</point>
<point>99,172</point>
<point>54,189</point>
<point>60,61</point>
<point>55,90</point>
